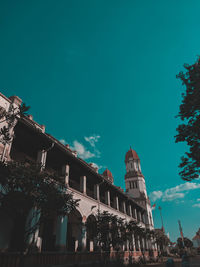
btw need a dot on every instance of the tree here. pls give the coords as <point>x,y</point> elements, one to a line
<point>113,231</point>
<point>8,120</point>
<point>161,239</point>
<point>109,230</point>
<point>189,129</point>
<point>187,243</point>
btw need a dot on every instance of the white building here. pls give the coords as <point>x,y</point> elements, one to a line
<point>95,191</point>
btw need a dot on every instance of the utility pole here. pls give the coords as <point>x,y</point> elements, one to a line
<point>161,219</point>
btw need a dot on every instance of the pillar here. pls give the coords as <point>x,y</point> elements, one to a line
<point>124,206</point>
<point>41,158</point>
<point>83,237</point>
<point>32,221</point>
<point>65,173</point>
<point>135,214</point>
<point>139,216</point>
<point>116,202</point>
<point>147,243</point>
<point>133,242</point>
<point>96,192</point>
<point>91,245</point>
<point>138,242</point>
<point>61,232</point>
<point>83,184</point>
<point>130,210</point>
<point>107,197</point>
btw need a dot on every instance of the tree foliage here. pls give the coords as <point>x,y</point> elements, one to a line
<point>187,243</point>
<point>113,231</point>
<point>189,129</point>
<point>161,239</point>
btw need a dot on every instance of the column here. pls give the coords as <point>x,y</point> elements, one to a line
<point>138,242</point>
<point>133,242</point>
<point>142,243</point>
<point>65,173</point>
<point>61,232</point>
<point>139,216</point>
<point>83,237</point>
<point>130,210</point>
<point>32,221</point>
<point>96,192</point>
<point>124,206</point>
<point>116,202</point>
<point>41,158</point>
<point>135,214</point>
<point>147,243</point>
<point>91,245</point>
<point>107,197</point>
<point>83,184</point>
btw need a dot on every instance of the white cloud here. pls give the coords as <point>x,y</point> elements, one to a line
<point>183,187</point>
<point>156,195</point>
<point>198,199</point>
<point>173,193</point>
<point>63,141</point>
<point>92,140</point>
<point>172,196</point>
<point>197,205</point>
<point>81,150</point>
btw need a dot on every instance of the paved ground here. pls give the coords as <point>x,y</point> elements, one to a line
<point>194,262</point>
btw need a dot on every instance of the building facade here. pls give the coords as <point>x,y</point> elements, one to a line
<point>95,190</point>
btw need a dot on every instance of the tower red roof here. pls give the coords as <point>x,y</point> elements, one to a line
<point>107,173</point>
<point>131,154</point>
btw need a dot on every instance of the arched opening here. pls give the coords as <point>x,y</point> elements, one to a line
<point>48,234</point>
<point>6,226</point>
<point>91,233</point>
<point>74,231</point>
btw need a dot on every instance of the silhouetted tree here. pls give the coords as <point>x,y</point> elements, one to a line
<point>187,243</point>
<point>189,129</point>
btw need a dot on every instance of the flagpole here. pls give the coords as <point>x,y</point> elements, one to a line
<point>161,218</point>
<point>153,212</point>
<point>181,232</point>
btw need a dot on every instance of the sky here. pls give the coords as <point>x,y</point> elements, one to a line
<point>101,75</point>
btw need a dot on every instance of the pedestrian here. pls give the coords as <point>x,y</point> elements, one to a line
<point>170,263</point>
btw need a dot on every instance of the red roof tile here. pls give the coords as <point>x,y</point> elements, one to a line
<point>131,154</point>
<point>107,173</point>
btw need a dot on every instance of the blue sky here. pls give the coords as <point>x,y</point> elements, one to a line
<point>107,70</point>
